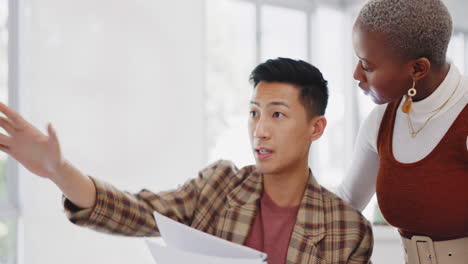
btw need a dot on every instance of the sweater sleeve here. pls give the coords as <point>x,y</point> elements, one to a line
<point>358,186</point>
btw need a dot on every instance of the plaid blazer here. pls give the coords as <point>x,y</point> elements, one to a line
<point>223,201</point>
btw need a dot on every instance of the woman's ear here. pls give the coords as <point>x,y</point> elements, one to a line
<point>317,127</point>
<point>420,68</point>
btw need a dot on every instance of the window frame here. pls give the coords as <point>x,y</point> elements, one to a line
<point>465,46</point>
<point>9,205</point>
<point>11,201</point>
<point>307,6</point>
<point>466,52</point>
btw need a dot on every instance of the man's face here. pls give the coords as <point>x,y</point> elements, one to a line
<point>279,128</point>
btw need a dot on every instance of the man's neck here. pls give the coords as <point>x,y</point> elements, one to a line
<point>287,189</point>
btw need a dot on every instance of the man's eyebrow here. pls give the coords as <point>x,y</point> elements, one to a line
<point>278,103</point>
<point>274,103</point>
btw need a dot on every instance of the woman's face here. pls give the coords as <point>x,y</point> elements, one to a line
<point>382,72</point>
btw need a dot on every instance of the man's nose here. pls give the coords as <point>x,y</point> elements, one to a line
<point>262,130</point>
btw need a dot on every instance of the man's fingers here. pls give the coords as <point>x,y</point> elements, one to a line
<point>52,134</point>
<point>4,149</point>
<point>15,118</point>
<point>5,140</point>
<point>6,124</point>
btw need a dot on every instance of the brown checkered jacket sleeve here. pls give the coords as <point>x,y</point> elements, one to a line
<point>123,213</point>
<point>349,237</point>
<point>363,251</point>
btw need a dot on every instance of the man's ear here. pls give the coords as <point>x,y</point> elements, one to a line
<point>317,127</point>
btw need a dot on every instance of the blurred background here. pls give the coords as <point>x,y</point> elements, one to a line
<point>146,93</point>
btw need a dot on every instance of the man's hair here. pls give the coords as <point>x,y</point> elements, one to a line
<point>415,28</point>
<point>313,88</point>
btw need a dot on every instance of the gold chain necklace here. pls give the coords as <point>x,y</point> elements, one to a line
<point>414,132</point>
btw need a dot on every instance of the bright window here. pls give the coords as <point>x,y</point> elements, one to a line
<point>328,155</point>
<point>231,52</point>
<point>457,50</point>
<point>283,33</point>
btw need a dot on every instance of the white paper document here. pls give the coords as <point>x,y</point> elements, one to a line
<point>183,244</point>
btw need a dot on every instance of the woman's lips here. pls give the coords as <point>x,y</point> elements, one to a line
<point>364,89</point>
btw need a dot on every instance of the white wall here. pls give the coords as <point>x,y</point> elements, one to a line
<point>122,81</point>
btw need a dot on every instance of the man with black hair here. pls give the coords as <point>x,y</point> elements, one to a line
<point>275,206</point>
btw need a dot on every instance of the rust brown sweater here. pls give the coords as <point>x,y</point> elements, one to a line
<point>428,197</point>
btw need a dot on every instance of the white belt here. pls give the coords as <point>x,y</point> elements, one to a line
<point>422,250</point>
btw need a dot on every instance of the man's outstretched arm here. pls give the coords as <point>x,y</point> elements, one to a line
<point>90,202</point>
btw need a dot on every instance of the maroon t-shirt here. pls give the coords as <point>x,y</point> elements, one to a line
<point>271,230</point>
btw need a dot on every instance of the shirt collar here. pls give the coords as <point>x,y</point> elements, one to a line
<point>311,210</point>
<point>441,94</point>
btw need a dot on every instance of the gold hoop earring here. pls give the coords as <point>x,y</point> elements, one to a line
<point>406,107</point>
